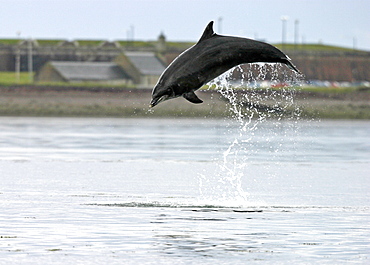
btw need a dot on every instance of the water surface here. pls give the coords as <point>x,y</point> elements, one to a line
<point>149,191</point>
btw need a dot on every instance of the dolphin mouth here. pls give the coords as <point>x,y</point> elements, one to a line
<point>156,101</point>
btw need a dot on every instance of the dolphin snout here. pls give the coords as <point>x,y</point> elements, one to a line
<point>152,103</point>
<point>156,100</point>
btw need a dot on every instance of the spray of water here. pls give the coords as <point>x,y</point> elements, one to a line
<point>252,101</point>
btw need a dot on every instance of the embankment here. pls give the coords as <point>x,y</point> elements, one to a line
<point>121,102</point>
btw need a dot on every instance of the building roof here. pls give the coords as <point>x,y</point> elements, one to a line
<point>103,71</point>
<point>146,62</point>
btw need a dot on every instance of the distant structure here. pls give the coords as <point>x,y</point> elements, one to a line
<point>144,68</point>
<point>61,71</point>
<point>161,44</point>
<point>44,51</point>
<point>143,62</point>
<point>131,68</point>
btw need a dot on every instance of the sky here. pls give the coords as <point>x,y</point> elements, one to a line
<point>343,23</point>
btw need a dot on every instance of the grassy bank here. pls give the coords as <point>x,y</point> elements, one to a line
<point>84,101</point>
<point>334,103</point>
<point>10,78</point>
<point>81,101</point>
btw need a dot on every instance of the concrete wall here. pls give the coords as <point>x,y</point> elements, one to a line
<point>334,68</point>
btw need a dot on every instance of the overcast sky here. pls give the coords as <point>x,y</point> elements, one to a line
<point>335,22</point>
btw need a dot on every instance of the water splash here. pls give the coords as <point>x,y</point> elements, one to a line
<point>252,101</point>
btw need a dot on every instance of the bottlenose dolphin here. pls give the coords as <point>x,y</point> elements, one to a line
<point>210,57</point>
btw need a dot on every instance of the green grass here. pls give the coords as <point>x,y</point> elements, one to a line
<point>180,45</point>
<point>339,111</point>
<point>9,78</point>
<point>9,41</point>
<point>315,47</point>
<point>137,44</point>
<point>49,42</point>
<point>89,42</point>
<point>331,90</point>
<point>184,44</point>
<point>82,84</point>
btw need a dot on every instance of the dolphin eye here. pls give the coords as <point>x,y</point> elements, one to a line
<point>170,91</point>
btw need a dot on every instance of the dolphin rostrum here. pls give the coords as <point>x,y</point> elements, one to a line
<point>211,56</point>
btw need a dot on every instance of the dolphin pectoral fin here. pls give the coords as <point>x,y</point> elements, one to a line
<point>190,96</point>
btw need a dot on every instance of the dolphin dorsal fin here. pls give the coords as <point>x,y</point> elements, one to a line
<point>208,32</point>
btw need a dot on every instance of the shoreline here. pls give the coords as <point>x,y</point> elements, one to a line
<point>76,101</point>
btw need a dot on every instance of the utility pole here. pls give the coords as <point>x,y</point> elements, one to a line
<point>30,60</point>
<point>296,24</point>
<point>18,65</point>
<point>284,19</point>
<point>18,59</point>
<point>220,25</point>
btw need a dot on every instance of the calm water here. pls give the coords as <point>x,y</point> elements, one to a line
<point>162,191</point>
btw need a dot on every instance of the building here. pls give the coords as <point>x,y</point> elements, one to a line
<point>61,71</point>
<point>43,51</point>
<point>145,68</point>
<point>141,69</point>
<point>321,62</point>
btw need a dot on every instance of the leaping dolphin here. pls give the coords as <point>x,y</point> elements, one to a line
<point>210,57</point>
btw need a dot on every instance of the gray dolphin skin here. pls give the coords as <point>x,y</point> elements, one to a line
<point>210,57</point>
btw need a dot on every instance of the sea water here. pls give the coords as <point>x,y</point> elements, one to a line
<point>183,191</point>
